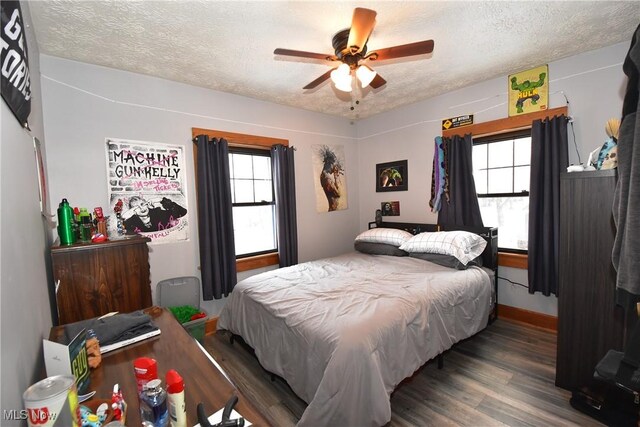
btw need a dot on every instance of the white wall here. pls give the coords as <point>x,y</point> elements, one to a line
<point>78,119</point>
<point>26,314</point>
<point>594,84</point>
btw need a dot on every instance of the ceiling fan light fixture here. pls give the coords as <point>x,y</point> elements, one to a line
<point>341,77</point>
<point>365,75</point>
<point>343,86</point>
<point>350,47</point>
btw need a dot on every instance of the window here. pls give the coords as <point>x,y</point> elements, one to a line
<point>501,166</point>
<point>254,208</point>
<point>255,145</point>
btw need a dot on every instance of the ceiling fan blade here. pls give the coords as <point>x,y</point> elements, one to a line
<point>319,80</point>
<point>377,82</point>
<point>411,49</point>
<point>302,54</point>
<point>361,26</point>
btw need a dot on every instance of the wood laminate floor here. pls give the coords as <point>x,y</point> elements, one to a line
<point>502,376</point>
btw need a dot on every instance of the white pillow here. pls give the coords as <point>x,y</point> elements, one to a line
<point>463,245</point>
<point>389,236</point>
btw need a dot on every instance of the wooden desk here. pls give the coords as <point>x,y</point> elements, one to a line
<point>175,349</point>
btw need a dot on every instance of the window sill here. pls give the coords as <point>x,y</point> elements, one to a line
<point>506,259</point>
<point>258,261</point>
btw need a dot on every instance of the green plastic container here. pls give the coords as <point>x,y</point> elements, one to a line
<point>196,328</point>
<point>183,291</point>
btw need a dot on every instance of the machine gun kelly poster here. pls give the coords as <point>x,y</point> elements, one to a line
<point>147,190</point>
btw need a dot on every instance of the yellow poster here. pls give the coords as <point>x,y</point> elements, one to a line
<point>529,91</point>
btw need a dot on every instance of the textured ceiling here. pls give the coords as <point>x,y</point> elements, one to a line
<point>228,45</point>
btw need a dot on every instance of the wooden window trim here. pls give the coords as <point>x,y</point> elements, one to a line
<point>505,125</point>
<point>258,261</point>
<point>508,259</point>
<point>241,140</point>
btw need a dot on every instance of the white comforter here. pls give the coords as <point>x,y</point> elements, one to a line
<point>345,331</point>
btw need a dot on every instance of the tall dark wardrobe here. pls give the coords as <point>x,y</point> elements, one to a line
<point>589,322</point>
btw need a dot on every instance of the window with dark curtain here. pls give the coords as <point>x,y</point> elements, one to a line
<point>264,232</point>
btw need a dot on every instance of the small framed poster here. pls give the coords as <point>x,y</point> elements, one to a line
<point>390,208</point>
<point>529,91</point>
<point>392,176</point>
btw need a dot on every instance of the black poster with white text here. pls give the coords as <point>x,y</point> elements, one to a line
<point>16,85</point>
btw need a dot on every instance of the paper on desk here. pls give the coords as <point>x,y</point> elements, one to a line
<point>217,417</point>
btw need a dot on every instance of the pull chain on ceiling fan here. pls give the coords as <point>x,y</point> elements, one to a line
<point>350,47</point>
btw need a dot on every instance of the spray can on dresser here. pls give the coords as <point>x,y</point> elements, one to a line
<point>175,398</point>
<point>65,223</point>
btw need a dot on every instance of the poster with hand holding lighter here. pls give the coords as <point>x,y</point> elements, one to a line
<point>605,156</point>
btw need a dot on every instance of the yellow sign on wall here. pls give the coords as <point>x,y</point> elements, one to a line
<point>456,122</point>
<point>529,91</point>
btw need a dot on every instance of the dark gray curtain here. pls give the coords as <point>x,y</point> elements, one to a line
<point>284,183</point>
<point>549,157</point>
<point>215,218</point>
<point>462,207</point>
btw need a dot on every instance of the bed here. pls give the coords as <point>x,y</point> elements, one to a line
<point>345,331</point>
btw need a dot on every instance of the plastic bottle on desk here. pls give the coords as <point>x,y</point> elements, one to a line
<point>153,405</point>
<point>175,396</point>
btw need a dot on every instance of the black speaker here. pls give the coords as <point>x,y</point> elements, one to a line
<point>378,217</point>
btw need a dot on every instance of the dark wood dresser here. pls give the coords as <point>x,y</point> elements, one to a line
<point>97,278</point>
<point>589,322</point>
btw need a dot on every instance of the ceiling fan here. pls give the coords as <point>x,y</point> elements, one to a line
<point>350,47</point>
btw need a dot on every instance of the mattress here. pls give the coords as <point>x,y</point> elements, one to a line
<point>345,331</point>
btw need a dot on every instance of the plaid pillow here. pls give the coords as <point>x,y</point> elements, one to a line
<point>389,236</point>
<point>463,245</point>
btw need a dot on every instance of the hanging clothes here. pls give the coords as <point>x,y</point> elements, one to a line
<point>626,201</point>
<point>438,175</point>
